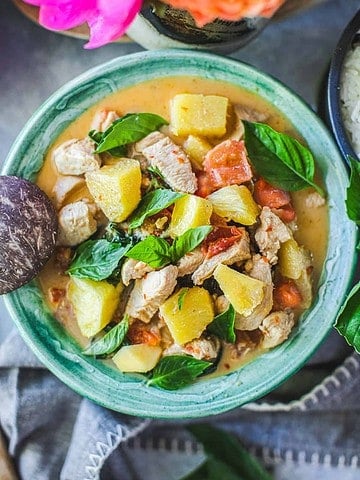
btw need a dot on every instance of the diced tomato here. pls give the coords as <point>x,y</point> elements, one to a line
<point>220,239</point>
<point>267,195</point>
<point>275,198</point>
<point>56,294</point>
<point>287,295</point>
<point>140,332</point>
<point>205,186</point>
<point>286,213</point>
<point>227,164</point>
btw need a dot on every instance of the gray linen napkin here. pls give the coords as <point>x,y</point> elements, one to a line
<point>55,434</point>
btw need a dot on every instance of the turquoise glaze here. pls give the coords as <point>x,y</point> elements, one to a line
<point>129,393</point>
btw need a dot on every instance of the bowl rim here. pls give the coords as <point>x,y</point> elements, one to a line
<point>130,393</point>
<point>333,88</point>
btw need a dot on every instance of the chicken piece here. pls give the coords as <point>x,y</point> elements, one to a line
<point>201,348</point>
<point>238,252</point>
<point>133,269</point>
<point>314,200</point>
<point>65,186</point>
<point>244,113</point>
<point>173,163</point>
<point>148,141</point>
<point>245,343</point>
<point>190,262</point>
<point>103,119</point>
<point>221,304</point>
<point>151,292</point>
<point>271,233</point>
<point>276,328</point>
<point>249,114</point>
<point>261,270</point>
<point>76,157</point>
<point>76,224</point>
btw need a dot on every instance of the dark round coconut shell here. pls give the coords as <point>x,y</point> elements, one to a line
<point>28,231</point>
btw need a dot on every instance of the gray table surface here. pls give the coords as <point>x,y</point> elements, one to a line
<point>35,62</point>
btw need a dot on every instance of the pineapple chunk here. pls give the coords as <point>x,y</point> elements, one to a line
<point>235,203</point>
<point>94,303</point>
<point>193,114</point>
<point>291,259</point>
<point>139,358</point>
<point>116,188</point>
<point>189,211</point>
<point>187,313</point>
<point>242,291</point>
<point>196,148</point>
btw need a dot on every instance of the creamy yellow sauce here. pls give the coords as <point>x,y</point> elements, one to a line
<point>154,96</point>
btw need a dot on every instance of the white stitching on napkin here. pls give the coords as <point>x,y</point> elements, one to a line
<point>122,434</point>
<point>341,375</point>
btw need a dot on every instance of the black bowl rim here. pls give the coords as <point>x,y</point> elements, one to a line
<point>333,88</point>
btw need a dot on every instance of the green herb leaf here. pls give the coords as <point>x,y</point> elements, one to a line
<point>213,469</point>
<point>188,241</point>
<point>154,251</point>
<point>115,234</point>
<point>152,203</point>
<point>129,129</point>
<point>353,192</point>
<point>279,158</point>
<point>111,341</point>
<point>157,252</point>
<point>348,319</point>
<point>181,297</point>
<point>97,137</point>
<point>223,325</point>
<point>97,259</point>
<point>227,450</point>
<point>177,371</point>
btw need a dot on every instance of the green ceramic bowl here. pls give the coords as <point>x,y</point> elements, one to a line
<point>127,393</point>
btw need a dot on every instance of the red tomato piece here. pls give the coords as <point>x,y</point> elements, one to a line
<point>267,195</point>
<point>227,164</point>
<point>140,332</point>
<point>287,295</point>
<point>220,239</point>
<point>286,213</point>
<point>205,186</point>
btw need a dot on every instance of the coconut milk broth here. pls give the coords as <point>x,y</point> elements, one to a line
<point>154,96</point>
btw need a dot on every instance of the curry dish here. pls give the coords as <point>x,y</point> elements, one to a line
<point>192,229</point>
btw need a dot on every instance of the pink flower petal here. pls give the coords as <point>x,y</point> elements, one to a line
<point>111,20</point>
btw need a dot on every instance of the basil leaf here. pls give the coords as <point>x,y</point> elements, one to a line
<point>129,129</point>
<point>97,259</point>
<point>188,241</point>
<point>157,252</point>
<point>111,341</point>
<point>97,137</point>
<point>181,297</point>
<point>348,318</point>
<point>115,234</point>
<point>353,192</point>
<point>279,158</point>
<point>223,325</point>
<point>152,203</point>
<point>154,251</point>
<point>225,448</point>
<point>177,371</point>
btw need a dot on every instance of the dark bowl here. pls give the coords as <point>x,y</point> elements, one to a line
<point>349,38</point>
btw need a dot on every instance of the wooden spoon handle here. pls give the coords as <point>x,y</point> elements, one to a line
<point>7,471</point>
